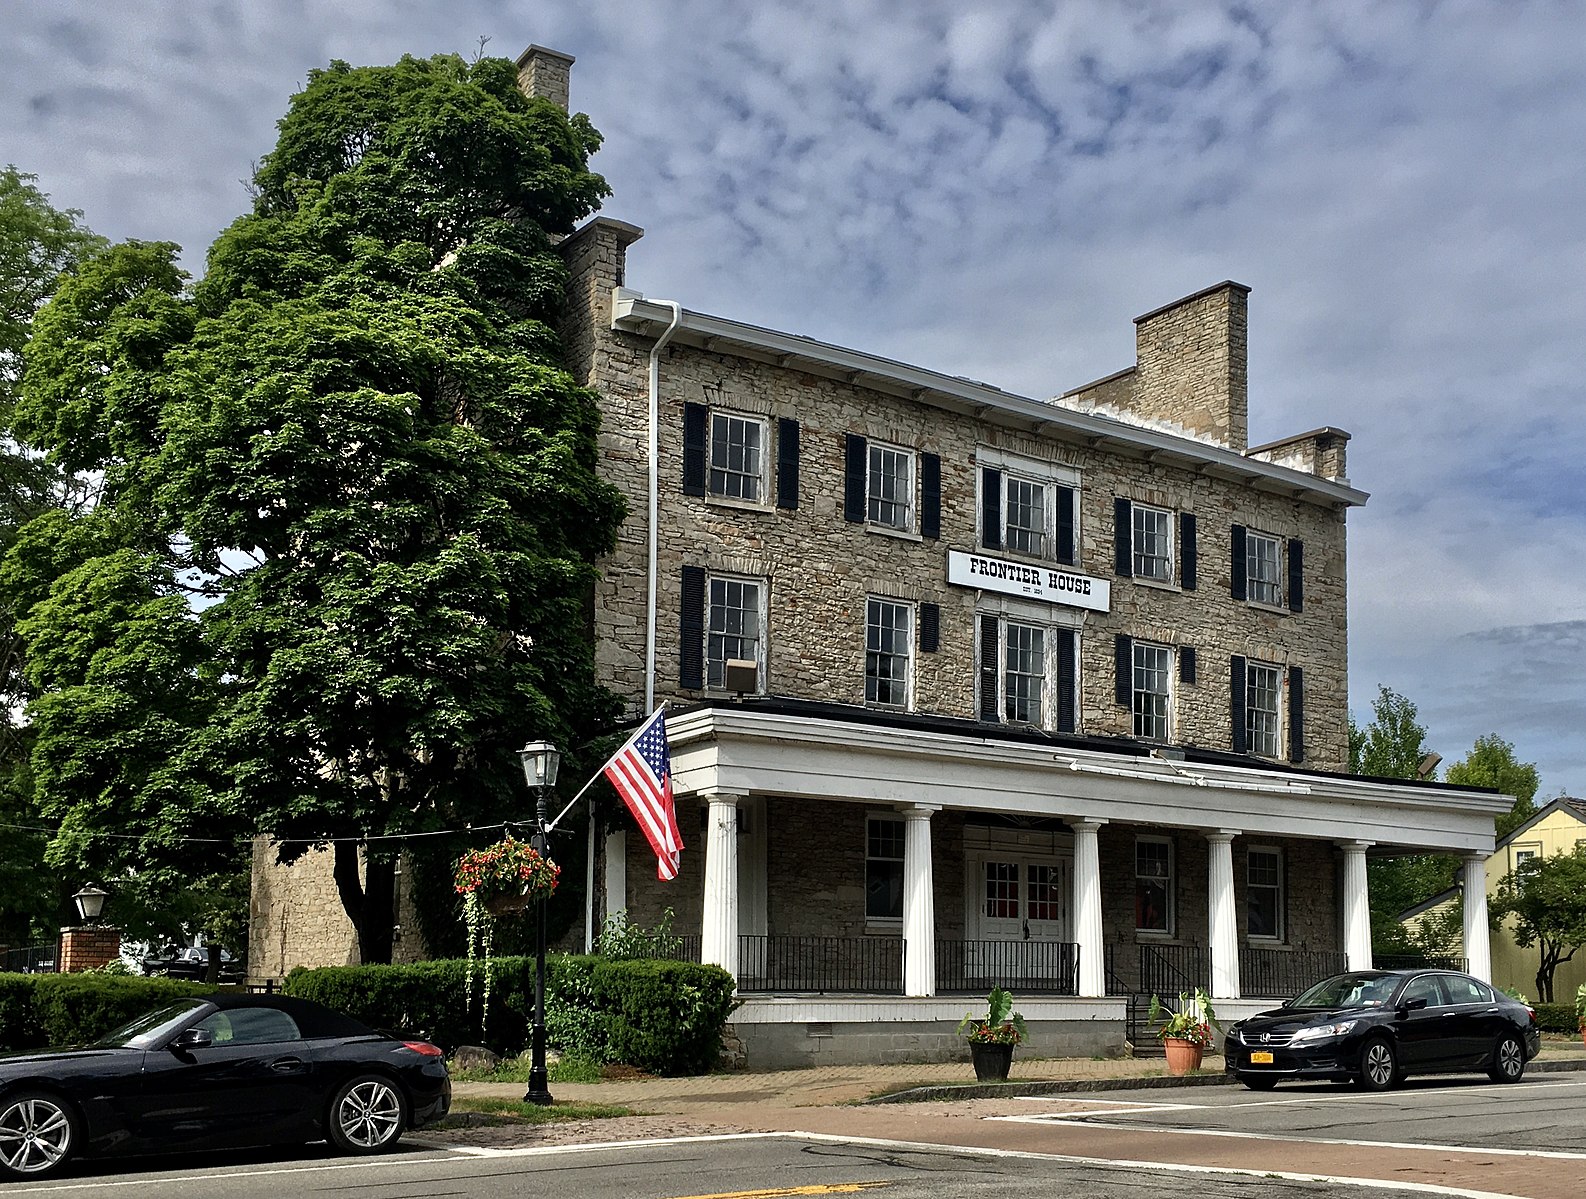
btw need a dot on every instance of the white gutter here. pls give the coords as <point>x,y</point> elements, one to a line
<point>655,496</point>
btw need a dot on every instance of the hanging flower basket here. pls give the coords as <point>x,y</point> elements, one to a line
<point>498,880</point>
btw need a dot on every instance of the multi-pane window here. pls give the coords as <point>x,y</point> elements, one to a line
<point>883,868</point>
<point>737,456</point>
<point>1264,894</point>
<point>1153,543</point>
<point>1263,719</point>
<point>1153,885</point>
<point>1024,672</point>
<point>888,642</point>
<point>1002,890</point>
<point>1024,510</point>
<point>1046,892</point>
<point>1152,695</point>
<point>891,487</point>
<point>732,628</point>
<point>1263,555</point>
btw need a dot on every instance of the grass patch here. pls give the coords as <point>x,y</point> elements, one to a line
<point>571,1068</point>
<point>515,1111</point>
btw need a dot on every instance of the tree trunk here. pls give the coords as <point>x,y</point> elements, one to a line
<point>368,891</point>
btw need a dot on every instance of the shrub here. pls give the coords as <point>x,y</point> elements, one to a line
<point>1556,1017</point>
<point>665,1017</point>
<point>41,1010</point>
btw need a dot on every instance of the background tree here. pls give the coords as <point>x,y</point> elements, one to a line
<point>353,440</point>
<point>1545,898</point>
<point>1491,763</point>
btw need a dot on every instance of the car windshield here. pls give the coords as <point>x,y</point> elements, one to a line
<point>147,1030</point>
<point>1350,990</point>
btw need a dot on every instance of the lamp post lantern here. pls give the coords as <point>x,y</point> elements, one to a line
<point>90,903</point>
<point>540,761</point>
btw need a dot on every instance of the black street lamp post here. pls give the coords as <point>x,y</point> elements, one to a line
<point>540,761</point>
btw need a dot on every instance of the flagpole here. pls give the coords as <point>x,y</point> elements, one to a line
<point>552,826</point>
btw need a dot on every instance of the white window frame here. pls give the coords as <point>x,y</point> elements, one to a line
<point>874,651</point>
<point>1047,508</point>
<point>910,460</point>
<point>1267,592</point>
<point>1278,889</point>
<point>1136,691</point>
<point>872,819</point>
<point>1049,629</point>
<point>760,475</point>
<point>1140,563</point>
<point>1264,742</point>
<point>1049,476</point>
<point>714,666</point>
<point>1169,888</point>
<point>1047,693</point>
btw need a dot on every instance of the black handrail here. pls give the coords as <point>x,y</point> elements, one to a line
<point>1024,967</point>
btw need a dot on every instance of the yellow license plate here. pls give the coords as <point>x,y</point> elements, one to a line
<point>1260,1057</point>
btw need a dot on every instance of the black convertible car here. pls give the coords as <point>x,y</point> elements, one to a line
<point>1373,1027</point>
<point>216,1073</point>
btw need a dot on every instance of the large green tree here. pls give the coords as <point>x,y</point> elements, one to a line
<point>1491,763</point>
<point>351,437</point>
<point>1545,901</point>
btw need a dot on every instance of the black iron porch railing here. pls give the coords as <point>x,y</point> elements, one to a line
<point>1419,961</point>
<point>821,964</point>
<point>1166,970</point>
<point>35,959</point>
<point>1024,967</point>
<point>1284,973</point>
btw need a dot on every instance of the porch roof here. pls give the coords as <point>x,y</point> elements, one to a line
<point>834,752</point>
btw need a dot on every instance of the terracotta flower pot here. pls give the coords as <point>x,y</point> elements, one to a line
<point>1182,1056</point>
<point>992,1060</point>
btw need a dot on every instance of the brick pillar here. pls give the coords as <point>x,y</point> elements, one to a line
<point>88,948</point>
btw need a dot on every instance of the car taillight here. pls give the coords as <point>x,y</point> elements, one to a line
<point>1531,1011</point>
<point>423,1047</point>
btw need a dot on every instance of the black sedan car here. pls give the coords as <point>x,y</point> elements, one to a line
<point>192,961</point>
<point>1373,1027</point>
<point>221,1072</point>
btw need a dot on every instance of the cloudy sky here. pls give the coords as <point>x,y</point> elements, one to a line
<point>996,190</point>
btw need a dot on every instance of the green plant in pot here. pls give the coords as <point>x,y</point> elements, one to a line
<point>1186,1033</point>
<point>1580,1010</point>
<point>992,1037</point>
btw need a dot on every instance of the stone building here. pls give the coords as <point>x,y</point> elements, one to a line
<point>970,689</point>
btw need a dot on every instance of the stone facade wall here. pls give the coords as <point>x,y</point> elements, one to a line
<point>1192,372</point>
<point>545,73</point>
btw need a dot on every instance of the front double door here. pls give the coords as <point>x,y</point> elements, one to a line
<point>1020,924</point>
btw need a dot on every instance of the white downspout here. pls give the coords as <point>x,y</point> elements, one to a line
<point>655,497</point>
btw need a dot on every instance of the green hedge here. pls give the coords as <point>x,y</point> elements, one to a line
<point>39,1010</point>
<point>664,1017</point>
<point>1556,1017</point>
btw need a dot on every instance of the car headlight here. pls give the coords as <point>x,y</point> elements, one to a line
<point>1322,1032</point>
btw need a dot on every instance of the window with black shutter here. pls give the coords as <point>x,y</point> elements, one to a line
<point>696,419</point>
<point>1067,500</point>
<point>1123,661</point>
<point>856,458</point>
<point>1296,575</point>
<point>930,496</point>
<point>1296,714</point>
<point>1236,703</point>
<point>1186,547</point>
<point>990,669</point>
<point>787,463</point>
<point>930,628</point>
<point>1236,564</point>
<point>1122,537</point>
<point>1186,664</point>
<point>991,508</point>
<point>691,621</point>
<point>1067,699</point>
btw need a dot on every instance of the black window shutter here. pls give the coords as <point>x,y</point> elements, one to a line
<point>991,508</point>
<point>990,669</point>
<point>857,459</point>
<point>1186,664</point>
<point>1066,698</point>
<point>1123,655</point>
<point>1296,714</point>
<point>1067,499</point>
<point>1122,537</point>
<point>931,496</point>
<point>787,463</point>
<point>691,619</point>
<point>930,628</point>
<point>695,419</point>
<point>1236,702</point>
<point>1186,550</point>
<point>1296,575</point>
<point>1236,561</point>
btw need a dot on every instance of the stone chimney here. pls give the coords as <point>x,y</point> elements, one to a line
<point>1191,365</point>
<point>543,72</point>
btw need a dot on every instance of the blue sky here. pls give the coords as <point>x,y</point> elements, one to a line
<point>996,190</point>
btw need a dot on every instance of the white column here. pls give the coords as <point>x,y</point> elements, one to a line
<point>1478,944</point>
<point>1087,908</point>
<point>1222,916</point>
<point>1357,906</point>
<point>719,920</point>
<point>919,902</point>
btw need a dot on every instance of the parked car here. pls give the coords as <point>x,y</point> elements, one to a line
<point>220,1072</point>
<point>1373,1027</point>
<point>191,962</point>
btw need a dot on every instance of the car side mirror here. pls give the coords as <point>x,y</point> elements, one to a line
<point>193,1038</point>
<point>1412,1005</point>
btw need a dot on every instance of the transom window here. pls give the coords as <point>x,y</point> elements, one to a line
<point>1263,719</point>
<point>883,868</point>
<point>1153,543</point>
<point>890,487</point>
<point>1153,885</point>
<point>1152,694</point>
<point>1024,510</point>
<point>889,644</point>
<point>1024,672</point>
<point>1263,556</point>
<point>737,456</point>
<point>733,625</point>
<point>1264,894</point>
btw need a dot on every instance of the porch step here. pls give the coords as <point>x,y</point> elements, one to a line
<point>1143,1041</point>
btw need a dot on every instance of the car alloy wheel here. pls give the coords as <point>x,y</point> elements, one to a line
<point>1378,1065</point>
<point>368,1115</point>
<point>37,1135</point>
<point>1508,1061</point>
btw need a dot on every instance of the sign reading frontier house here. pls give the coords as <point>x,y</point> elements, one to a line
<point>1048,583</point>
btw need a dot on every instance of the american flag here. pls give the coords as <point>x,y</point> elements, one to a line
<point>641,771</point>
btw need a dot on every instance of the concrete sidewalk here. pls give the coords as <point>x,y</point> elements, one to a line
<point>716,1096</point>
